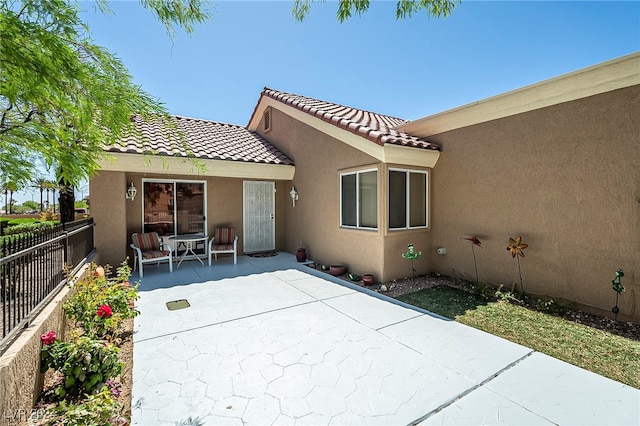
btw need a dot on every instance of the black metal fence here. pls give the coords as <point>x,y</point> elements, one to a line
<point>32,270</point>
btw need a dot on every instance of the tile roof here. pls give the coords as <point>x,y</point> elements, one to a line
<point>202,138</point>
<point>378,128</point>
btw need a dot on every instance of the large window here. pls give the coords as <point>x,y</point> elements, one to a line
<point>173,207</point>
<point>407,199</point>
<point>359,199</point>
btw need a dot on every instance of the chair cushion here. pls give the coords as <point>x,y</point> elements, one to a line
<point>219,247</point>
<point>153,254</point>
<point>149,241</point>
<point>225,236</point>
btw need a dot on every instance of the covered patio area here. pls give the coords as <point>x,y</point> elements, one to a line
<point>270,341</point>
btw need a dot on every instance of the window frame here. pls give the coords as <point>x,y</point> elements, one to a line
<point>174,183</point>
<point>408,172</point>
<point>357,174</point>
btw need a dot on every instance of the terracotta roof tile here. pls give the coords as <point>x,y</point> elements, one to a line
<point>201,138</point>
<point>375,127</point>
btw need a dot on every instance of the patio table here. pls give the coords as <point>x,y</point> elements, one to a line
<point>190,241</point>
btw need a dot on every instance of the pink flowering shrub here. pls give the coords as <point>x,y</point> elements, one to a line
<point>99,303</point>
<point>86,363</point>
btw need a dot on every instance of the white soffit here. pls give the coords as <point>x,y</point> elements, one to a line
<point>139,163</point>
<point>389,153</point>
<point>601,78</point>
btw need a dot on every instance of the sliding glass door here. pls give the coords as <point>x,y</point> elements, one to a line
<point>174,207</point>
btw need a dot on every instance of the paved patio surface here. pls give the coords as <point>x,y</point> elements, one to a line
<point>270,341</point>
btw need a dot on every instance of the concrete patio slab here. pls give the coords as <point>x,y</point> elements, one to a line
<point>474,353</point>
<point>268,341</point>
<point>372,312</point>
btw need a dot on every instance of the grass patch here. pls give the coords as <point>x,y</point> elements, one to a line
<point>604,353</point>
<point>446,301</point>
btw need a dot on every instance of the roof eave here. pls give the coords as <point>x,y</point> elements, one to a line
<point>165,165</point>
<point>383,152</point>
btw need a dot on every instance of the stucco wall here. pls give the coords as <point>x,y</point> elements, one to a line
<point>109,212</point>
<point>117,218</point>
<point>566,178</point>
<point>314,222</point>
<point>20,377</point>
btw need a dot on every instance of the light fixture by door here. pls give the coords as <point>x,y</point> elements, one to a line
<point>294,195</point>
<point>131,192</point>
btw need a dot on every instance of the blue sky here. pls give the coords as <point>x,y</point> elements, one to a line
<point>409,68</point>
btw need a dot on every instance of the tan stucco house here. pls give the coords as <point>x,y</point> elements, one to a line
<point>557,162</point>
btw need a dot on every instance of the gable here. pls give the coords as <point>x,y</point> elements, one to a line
<point>368,132</point>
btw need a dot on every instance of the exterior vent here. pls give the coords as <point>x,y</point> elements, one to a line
<point>267,120</point>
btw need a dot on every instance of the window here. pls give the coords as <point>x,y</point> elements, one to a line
<point>359,199</point>
<point>173,208</point>
<point>407,199</point>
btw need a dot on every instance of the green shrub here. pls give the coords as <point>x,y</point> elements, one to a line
<point>98,409</point>
<point>99,305</point>
<point>86,363</point>
<point>26,227</point>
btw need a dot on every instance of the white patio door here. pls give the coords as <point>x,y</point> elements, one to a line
<point>259,228</point>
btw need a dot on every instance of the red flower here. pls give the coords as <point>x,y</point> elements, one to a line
<point>126,284</point>
<point>104,311</point>
<point>48,338</point>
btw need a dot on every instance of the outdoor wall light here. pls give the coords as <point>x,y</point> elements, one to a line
<point>294,195</point>
<point>131,192</point>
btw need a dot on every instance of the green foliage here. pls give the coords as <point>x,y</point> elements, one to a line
<point>31,205</point>
<point>506,296</point>
<point>549,305</point>
<point>97,409</point>
<point>86,364</point>
<point>20,221</point>
<point>444,300</point>
<point>404,8</point>
<point>63,98</point>
<point>95,290</point>
<point>24,226</point>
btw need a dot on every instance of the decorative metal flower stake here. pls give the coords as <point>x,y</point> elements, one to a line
<point>474,242</point>
<point>515,247</point>
<point>412,255</point>
<point>618,288</point>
